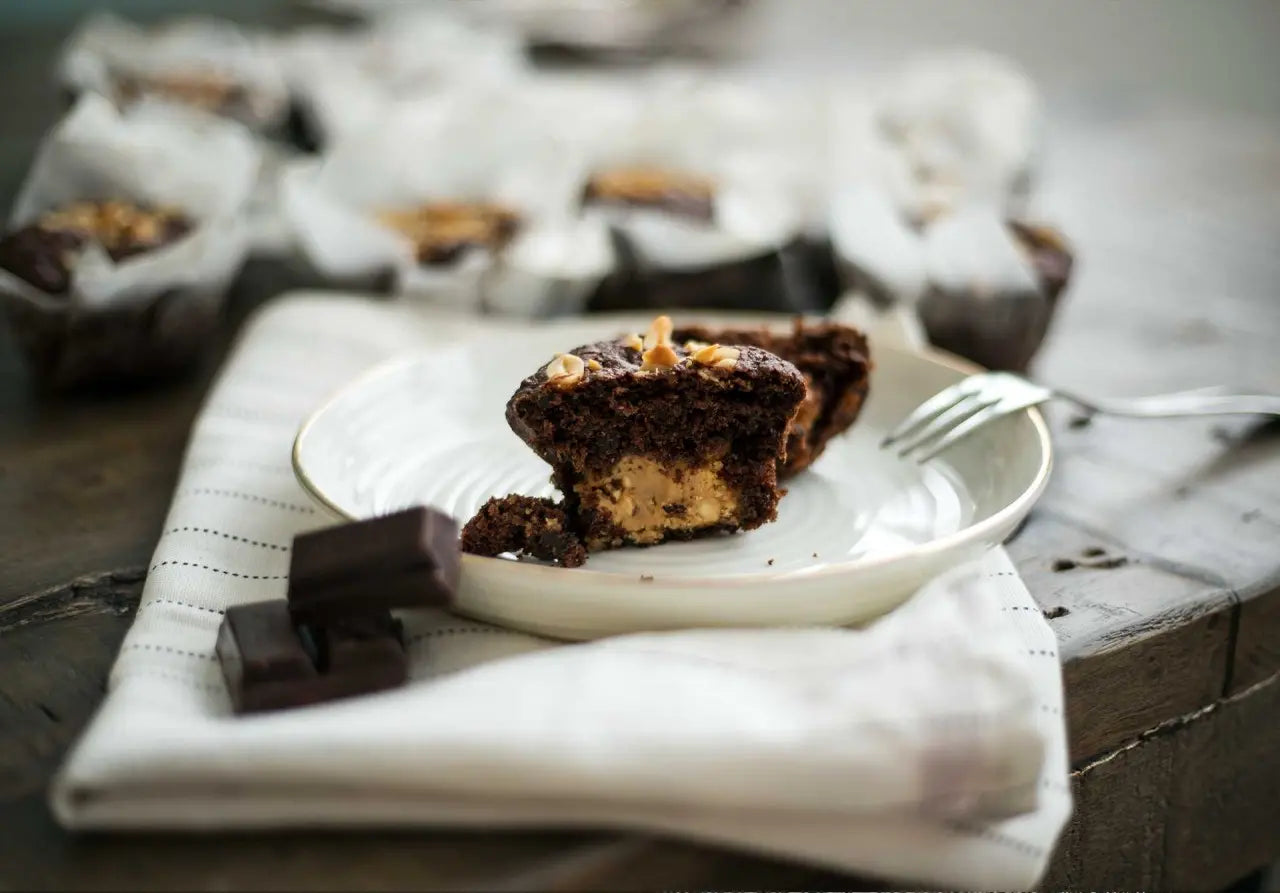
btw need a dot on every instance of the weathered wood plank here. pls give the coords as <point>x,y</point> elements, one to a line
<point>1139,643</point>
<point>1115,839</point>
<point>1193,496</point>
<point>1257,651</point>
<point>1192,805</point>
<point>1224,806</point>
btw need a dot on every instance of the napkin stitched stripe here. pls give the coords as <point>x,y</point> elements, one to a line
<point>228,536</point>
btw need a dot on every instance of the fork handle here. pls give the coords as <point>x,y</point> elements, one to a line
<point>1192,403</point>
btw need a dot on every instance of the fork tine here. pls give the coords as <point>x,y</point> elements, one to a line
<point>933,407</point>
<point>973,403</point>
<point>992,412</point>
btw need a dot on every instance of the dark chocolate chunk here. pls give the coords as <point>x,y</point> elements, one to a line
<point>263,661</point>
<point>407,559</point>
<point>419,537</point>
<point>376,592</point>
<point>270,665</point>
<point>371,648</point>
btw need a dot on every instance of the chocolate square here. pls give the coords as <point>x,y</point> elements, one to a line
<point>407,559</point>
<point>270,665</point>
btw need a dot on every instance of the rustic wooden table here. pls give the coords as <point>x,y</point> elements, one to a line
<point>1164,166</point>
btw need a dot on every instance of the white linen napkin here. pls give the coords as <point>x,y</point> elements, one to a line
<point>929,746</point>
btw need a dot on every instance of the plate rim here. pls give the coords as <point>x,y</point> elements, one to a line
<point>966,536</point>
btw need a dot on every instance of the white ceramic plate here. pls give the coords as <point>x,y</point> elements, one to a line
<point>856,534</point>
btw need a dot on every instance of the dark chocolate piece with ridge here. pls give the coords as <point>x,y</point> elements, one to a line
<point>404,560</point>
<point>269,664</point>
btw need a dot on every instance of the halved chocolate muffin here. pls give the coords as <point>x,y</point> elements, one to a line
<point>650,440</point>
<point>441,232</point>
<point>836,363</point>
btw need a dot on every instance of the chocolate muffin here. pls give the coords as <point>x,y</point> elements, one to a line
<point>650,440</point>
<point>836,363</point>
<point>69,345</point>
<point>442,232</point>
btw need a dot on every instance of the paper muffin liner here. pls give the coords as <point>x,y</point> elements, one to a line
<point>973,285</point>
<point>105,51</point>
<point>347,81</point>
<point>943,131</point>
<point>983,299</point>
<point>690,129</point>
<point>154,154</point>
<point>466,147</point>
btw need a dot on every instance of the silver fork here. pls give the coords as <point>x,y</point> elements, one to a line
<point>954,413</point>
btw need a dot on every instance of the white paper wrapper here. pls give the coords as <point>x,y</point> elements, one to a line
<point>945,130</point>
<point>778,125</point>
<point>973,251</point>
<point>468,147</point>
<point>270,232</point>
<point>106,48</point>
<point>346,82</point>
<point>878,252</point>
<point>984,299</point>
<point>155,154</point>
<point>695,129</point>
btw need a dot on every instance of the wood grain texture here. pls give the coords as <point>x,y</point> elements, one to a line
<point>1140,643</point>
<point>1224,805</point>
<point>1192,805</point>
<point>1115,839</point>
<point>1257,651</point>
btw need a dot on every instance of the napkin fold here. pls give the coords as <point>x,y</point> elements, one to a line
<point>928,746</point>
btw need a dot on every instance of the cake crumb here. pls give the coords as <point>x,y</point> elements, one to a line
<point>523,524</point>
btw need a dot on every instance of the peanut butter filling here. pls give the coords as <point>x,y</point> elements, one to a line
<point>647,499</point>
